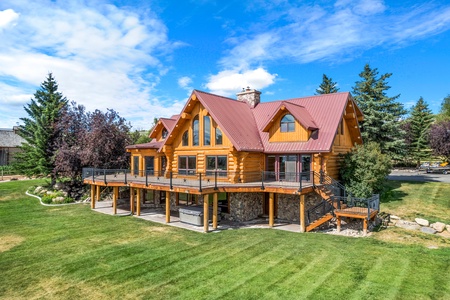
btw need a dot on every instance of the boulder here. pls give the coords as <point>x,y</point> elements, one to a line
<point>407,225</point>
<point>444,234</point>
<point>448,227</point>
<point>439,226</point>
<point>58,199</point>
<point>394,217</point>
<point>422,222</point>
<point>428,230</point>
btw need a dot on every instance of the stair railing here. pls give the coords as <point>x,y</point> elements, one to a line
<point>318,211</point>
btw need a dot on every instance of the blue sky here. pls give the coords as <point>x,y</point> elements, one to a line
<point>143,58</point>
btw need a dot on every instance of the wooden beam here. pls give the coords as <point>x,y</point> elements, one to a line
<point>186,116</point>
<point>365,226</point>
<point>302,214</point>
<point>138,201</point>
<point>132,200</point>
<point>338,218</point>
<point>92,196</point>
<point>167,207</point>
<point>215,210</point>
<point>115,196</point>
<point>97,197</point>
<point>205,213</point>
<point>271,209</point>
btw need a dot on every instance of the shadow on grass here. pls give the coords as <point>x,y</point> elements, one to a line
<point>392,192</point>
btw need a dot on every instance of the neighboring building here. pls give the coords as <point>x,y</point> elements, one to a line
<point>250,158</point>
<point>9,145</point>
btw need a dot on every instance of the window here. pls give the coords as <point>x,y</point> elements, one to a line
<point>206,131</point>
<point>195,137</point>
<point>187,165</point>
<point>187,199</point>
<point>287,123</point>
<point>164,133</point>
<point>216,163</point>
<point>185,138</point>
<point>218,137</point>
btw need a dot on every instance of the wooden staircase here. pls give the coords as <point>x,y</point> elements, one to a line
<point>318,222</point>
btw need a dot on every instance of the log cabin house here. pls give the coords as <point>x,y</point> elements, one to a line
<point>243,158</point>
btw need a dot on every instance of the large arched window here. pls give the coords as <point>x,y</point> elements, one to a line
<point>195,137</point>
<point>218,137</point>
<point>287,123</point>
<point>185,138</point>
<point>206,131</point>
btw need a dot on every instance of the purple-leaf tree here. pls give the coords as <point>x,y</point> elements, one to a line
<point>440,139</point>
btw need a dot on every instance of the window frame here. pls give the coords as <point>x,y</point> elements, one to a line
<point>217,136</point>
<point>164,133</point>
<point>206,131</point>
<point>185,138</point>
<point>195,131</point>
<point>185,166</point>
<point>287,125</point>
<point>211,171</point>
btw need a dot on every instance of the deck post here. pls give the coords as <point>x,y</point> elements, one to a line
<point>271,209</point>
<point>138,201</point>
<point>302,214</point>
<point>205,213</point>
<point>168,206</point>
<point>97,197</point>
<point>215,209</point>
<point>131,200</point>
<point>93,196</point>
<point>338,219</point>
<point>365,226</point>
<point>115,196</point>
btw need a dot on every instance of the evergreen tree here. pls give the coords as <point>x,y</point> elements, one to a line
<point>444,114</point>
<point>421,119</point>
<point>327,86</point>
<point>39,130</point>
<point>382,114</point>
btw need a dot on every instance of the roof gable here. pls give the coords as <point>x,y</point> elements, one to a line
<point>299,113</point>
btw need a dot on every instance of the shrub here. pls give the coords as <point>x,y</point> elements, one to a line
<point>47,199</point>
<point>364,169</point>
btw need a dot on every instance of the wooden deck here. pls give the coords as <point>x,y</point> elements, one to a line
<point>357,213</point>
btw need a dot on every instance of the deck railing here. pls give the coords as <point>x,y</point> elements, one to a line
<point>358,205</point>
<point>200,180</point>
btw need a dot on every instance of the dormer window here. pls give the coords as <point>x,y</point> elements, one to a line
<point>164,133</point>
<point>287,123</point>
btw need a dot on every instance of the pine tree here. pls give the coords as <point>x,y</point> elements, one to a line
<point>421,119</point>
<point>382,114</point>
<point>39,130</point>
<point>327,86</point>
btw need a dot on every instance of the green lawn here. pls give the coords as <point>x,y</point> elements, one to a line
<point>72,252</point>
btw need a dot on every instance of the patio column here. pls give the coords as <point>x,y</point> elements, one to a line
<point>365,226</point>
<point>338,219</point>
<point>167,207</point>
<point>131,200</point>
<point>115,196</point>
<point>302,214</point>
<point>92,196</point>
<point>271,209</point>
<point>205,213</point>
<point>215,209</point>
<point>138,201</point>
<point>97,198</point>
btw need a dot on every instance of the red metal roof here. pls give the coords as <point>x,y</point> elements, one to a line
<point>151,145</point>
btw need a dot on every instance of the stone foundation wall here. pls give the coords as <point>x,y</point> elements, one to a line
<point>289,206</point>
<point>245,206</point>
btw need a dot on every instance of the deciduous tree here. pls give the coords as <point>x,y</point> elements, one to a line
<point>440,139</point>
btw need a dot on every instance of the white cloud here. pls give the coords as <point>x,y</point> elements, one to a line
<point>229,82</point>
<point>185,83</point>
<point>102,56</point>
<point>7,17</point>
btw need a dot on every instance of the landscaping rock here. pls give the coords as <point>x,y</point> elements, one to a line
<point>394,217</point>
<point>448,227</point>
<point>439,226</point>
<point>444,234</point>
<point>422,222</point>
<point>407,225</point>
<point>58,199</point>
<point>428,230</point>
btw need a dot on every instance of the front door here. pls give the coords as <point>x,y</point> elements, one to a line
<point>149,165</point>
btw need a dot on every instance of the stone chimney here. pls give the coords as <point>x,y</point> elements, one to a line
<point>249,96</point>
